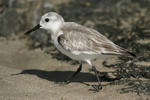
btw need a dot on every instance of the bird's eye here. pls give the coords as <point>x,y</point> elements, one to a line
<point>46,20</point>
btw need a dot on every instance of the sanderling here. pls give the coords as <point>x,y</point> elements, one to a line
<point>78,42</point>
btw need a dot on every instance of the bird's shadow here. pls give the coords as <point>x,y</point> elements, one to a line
<point>61,76</point>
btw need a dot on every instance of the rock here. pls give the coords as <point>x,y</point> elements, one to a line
<point>9,22</point>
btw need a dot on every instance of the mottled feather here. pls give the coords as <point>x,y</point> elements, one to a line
<point>77,38</point>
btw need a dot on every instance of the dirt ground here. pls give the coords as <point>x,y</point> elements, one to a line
<point>29,71</point>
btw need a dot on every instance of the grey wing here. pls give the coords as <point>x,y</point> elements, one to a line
<point>75,41</point>
<point>77,38</point>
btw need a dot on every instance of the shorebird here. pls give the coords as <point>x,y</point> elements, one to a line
<point>79,43</point>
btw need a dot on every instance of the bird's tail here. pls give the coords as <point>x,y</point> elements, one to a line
<point>131,54</point>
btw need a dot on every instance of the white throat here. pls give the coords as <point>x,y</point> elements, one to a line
<point>55,27</point>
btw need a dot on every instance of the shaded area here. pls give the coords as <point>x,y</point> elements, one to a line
<point>61,76</point>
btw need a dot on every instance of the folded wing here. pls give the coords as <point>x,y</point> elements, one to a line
<point>79,39</point>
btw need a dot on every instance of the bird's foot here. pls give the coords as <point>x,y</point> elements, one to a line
<point>64,83</point>
<point>96,88</point>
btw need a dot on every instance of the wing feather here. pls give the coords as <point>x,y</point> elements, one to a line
<point>79,39</point>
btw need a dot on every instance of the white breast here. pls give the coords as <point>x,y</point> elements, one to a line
<point>54,38</point>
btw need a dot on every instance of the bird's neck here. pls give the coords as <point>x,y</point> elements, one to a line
<point>55,27</point>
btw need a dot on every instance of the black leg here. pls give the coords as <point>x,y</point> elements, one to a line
<point>78,70</point>
<point>99,82</point>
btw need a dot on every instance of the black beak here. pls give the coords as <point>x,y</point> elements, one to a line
<point>33,29</point>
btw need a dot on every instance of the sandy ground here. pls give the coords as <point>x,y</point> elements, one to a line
<point>36,75</point>
<point>40,75</point>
